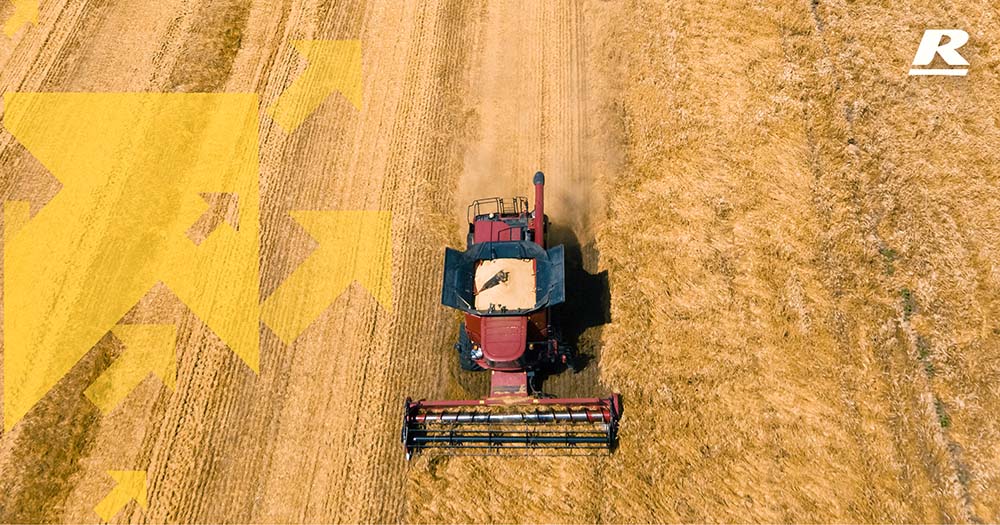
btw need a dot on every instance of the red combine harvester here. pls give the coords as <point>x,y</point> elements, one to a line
<point>506,282</point>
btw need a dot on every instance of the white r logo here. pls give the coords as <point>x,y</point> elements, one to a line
<point>931,45</point>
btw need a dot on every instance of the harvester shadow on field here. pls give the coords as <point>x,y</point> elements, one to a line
<point>587,307</point>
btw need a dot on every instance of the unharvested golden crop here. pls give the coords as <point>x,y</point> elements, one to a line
<point>798,241</point>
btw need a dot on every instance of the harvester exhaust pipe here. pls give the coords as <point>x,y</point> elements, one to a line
<point>539,223</point>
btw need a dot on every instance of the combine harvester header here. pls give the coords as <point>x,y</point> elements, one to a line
<point>506,282</point>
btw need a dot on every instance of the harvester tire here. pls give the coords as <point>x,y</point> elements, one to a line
<point>464,347</point>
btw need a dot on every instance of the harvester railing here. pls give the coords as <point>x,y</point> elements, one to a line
<point>511,206</point>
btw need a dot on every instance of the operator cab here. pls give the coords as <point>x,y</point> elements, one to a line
<point>499,219</point>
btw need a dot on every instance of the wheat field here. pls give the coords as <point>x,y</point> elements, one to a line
<point>783,256</point>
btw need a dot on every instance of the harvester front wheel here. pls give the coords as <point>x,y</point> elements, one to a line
<point>464,347</point>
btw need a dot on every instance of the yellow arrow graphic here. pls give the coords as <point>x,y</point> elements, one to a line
<point>129,485</point>
<point>15,215</point>
<point>25,11</point>
<point>149,348</point>
<point>134,169</point>
<point>333,65</point>
<point>353,246</point>
<point>220,208</point>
